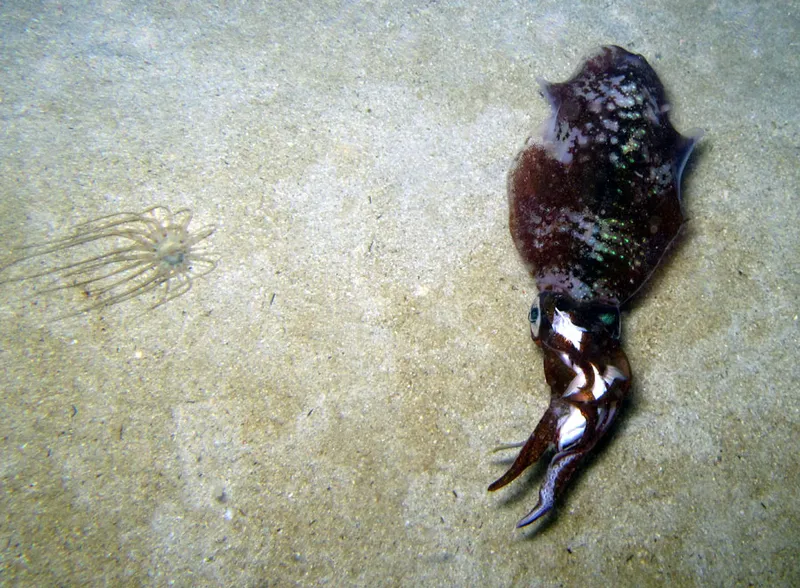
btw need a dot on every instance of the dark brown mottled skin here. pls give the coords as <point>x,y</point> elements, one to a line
<point>593,209</point>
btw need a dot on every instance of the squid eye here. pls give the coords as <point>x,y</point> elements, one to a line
<point>611,320</point>
<point>534,318</point>
<point>608,319</point>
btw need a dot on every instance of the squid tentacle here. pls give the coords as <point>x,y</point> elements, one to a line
<point>589,377</point>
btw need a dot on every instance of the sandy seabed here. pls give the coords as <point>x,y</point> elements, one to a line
<point>321,408</point>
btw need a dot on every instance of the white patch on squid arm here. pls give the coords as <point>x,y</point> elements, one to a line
<point>571,428</point>
<point>564,326</point>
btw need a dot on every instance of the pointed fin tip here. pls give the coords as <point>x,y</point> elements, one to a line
<point>685,148</point>
<point>544,85</point>
<point>548,90</point>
